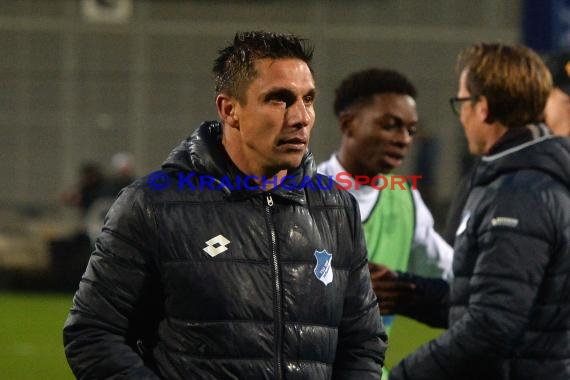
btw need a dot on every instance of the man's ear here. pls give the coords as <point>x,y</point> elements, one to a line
<point>228,110</point>
<point>346,123</point>
<point>482,110</point>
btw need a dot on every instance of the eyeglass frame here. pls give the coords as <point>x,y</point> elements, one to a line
<point>455,103</point>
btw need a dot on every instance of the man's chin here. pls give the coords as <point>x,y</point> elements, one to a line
<point>293,165</point>
<point>292,161</point>
<point>387,168</point>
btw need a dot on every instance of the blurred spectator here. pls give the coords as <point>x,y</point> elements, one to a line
<point>557,110</point>
<point>69,255</point>
<point>123,171</point>
<point>121,177</point>
<point>95,193</point>
<point>91,185</point>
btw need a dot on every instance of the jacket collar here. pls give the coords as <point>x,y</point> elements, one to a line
<point>515,137</point>
<point>536,149</point>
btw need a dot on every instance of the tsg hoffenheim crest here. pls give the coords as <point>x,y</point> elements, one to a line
<point>323,269</point>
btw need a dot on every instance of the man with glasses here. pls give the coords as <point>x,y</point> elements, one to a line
<point>457,101</point>
<point>557,118</point>
<point>509,298</point>
<point>377,114</point>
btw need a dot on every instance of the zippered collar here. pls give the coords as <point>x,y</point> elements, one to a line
<point>533,149</point>
<point>516,138</point>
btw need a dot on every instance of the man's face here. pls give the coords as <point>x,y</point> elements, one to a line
<point>276,118</point>
<point>378,133</point>
<point>470,119</point>
<point>557,112</point>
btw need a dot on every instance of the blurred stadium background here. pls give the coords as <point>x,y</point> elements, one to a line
<point>81,80</point>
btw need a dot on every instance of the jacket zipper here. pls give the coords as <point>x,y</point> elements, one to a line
<point>277,302</point>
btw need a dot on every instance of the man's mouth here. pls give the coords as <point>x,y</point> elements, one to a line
<point>396,156</point>
<point>395,159</point>
<point>293,143</point>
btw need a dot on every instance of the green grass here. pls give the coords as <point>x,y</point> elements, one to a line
<point>31,339</point>
<point>406,336</point>
<point>31,344</point>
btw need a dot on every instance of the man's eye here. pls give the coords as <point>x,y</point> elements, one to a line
<point>280,97</point>
<point>275,98</point>
<point>390,127</point>
<point>309,99</point>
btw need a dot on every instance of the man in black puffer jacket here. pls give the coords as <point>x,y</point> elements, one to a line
<point>208,270</point>
<point>509,315</point>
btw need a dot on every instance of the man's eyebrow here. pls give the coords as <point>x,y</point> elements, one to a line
<point>285,93</point>
<point>278,92</point>
<point>312,92</point>
<point>398,119</point>
<point>388,115</point>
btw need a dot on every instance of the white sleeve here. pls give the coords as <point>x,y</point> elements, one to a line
<point>430,255</point>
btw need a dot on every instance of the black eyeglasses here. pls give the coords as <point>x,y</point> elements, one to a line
<point>455,103</point>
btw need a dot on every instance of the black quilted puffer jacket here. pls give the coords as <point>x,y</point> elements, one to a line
<point>509,316</point>
<point>224,283</point>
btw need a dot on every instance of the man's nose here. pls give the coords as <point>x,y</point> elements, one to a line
<point>402,135</point>
<point>299,114</point>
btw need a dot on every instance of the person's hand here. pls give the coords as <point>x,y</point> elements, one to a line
<point>392,293</point>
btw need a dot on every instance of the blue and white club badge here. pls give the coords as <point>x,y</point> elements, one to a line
<point>323,270</point>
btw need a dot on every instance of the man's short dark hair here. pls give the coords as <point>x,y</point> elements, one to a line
<point>234,68</point>
<point>361,86</point>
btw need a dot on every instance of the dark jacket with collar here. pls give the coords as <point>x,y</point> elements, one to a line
<point>154,304</point>
<point>509,301</point>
